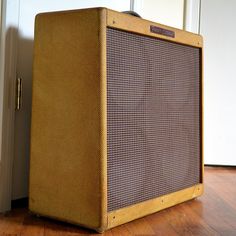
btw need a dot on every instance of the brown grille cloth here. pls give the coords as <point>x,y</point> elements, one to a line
<point>153,117</point>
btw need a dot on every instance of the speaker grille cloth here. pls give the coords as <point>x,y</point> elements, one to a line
<point>153,96</point>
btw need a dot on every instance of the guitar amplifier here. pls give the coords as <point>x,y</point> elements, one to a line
<point>117,128</point>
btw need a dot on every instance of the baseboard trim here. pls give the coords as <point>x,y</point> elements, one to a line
<point>20,203</point>
<point>214,165</point>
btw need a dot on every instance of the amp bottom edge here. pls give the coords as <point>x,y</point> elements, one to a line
<point>127,214</point>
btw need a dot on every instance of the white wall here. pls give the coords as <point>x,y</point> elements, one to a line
<point>218,29</point>
<point>167,12</point>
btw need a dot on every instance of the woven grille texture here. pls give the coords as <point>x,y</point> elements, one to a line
<point>153,96</point>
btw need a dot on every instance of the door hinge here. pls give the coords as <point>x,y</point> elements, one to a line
<point>18,93</point>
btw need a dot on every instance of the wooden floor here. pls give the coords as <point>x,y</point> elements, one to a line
<point>212,214</point>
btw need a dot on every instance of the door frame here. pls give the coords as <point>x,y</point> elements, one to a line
<point>8,61</point>
<point>192,14</point>
<point>136,5</point>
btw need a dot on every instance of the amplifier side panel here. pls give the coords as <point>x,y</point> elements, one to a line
<point>65,164</point>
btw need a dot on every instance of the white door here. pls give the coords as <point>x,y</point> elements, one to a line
<point>217,25</point>
<point>8,36</point>
<point>28,10</point>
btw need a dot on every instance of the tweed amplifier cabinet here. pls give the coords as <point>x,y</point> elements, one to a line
<point>116,117</point>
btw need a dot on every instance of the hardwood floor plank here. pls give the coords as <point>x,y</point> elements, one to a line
<point>122,230</point>
<point>185,222</point>
<point>215,212</point>
<point>160,224</point>
<point>57,228</point>
<point>212,214</point>
<point>11,223</point>
<point>140,226</point>
<point>32,226</point>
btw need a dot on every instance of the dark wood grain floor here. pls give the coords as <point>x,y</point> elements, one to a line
<point>212,214</point>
